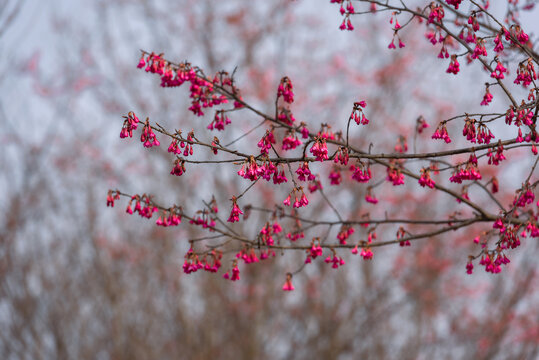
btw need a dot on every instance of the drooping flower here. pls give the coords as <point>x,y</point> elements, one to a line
<point>288,283</point>
<point>236,211</point>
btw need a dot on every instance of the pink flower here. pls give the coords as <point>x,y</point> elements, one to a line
<point>441,133</point>
<point>344,234</point>
<point>479,49</point>
<point>455,3</point>
<point>235,273</point>
<point>291,142</point>
<point>336,261</point>
<point>349,25</point>
<point>110,199</point>
<point>366,253</point>
<point>288,283</point>
<point>360,172</point>
<point>395,176</point>
<point>285,90</point>
<point>141,62</point>
<point>148,136</point>
<point>319,149</point>
<point>454,66</point>
<point>499,45</point>
<point>265,143</point>
<point>469,268</point>
<point>286,201</point>
<point>425,179</point>
<point>436,14</point>
<point>498,72</point>
<point>235,213</point>
<point>371,199</point>
<point>335,177</point>
<point>487,99</point>
<point>305,132</point>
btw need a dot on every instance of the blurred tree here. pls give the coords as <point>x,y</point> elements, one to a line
<point>81,282</point>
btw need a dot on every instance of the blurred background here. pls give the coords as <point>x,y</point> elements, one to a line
<point>79,280</point>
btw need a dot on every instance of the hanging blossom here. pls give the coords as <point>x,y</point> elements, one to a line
<point>402,145</point>
<point>342,156</point>
<point>479,49</point>
<point>441,133</point>
<point>319,149</point>
<point>498,71</point>
<point>265,143</point>
<point>147,137</point>
<point>526,73</point>
<point>288,283</point>
<point>472,20</point>
<point>525,196</point>
<point>495,157</point>
<point>130,123</point>
<point>304,173</point>
<point>470,37</point>
<point>400,236</point>
<point>394,175</point>
<point>346,12</point>
<point>204,217</point>
<point>210,262</point>
<point>145,211</point>
<point>111,197</point>
<point>267,232</point>
<point>421,124</point>
<point>279,176</point>
<point>436,14</point>
<point>370,198</point>
<point>192,263</point>
<point>515,31</point>
<point>454,66</point>
<point>179,167</point>
<point>498,44</point>
<point>469,172</point>
<point>361,172</point>
<point>492,263</point>
<point>454,3</point>
<point>202,91</point>
<point>298,202</point>
<point>366,252</point>
<point>326,133</point>
<point>291,141</point>
<point>236,211</point>
<point>435,36</point>
<point>487,99</point>
<point>425,179</point>
<point>219,121</point>
<point>250,170</point>
<point>248,255</point>
<point>469,129</point>
<point>286,116</point>
<point>170,217</point>
<point>397,25</point>
<point>344,234</point>
<point>392,44</point>
<point>334,260</point>
<point>358,115</point>
<point>314,251</point>
<point>235,272</point>
<point>484,135</point>
<point>469,267</point>
<point>335,176</point>
<point>285,90</point>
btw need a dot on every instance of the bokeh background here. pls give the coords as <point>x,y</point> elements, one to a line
<point>79,280</point>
